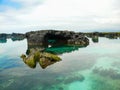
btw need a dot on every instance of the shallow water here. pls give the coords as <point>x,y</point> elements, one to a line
<point>95,67</point>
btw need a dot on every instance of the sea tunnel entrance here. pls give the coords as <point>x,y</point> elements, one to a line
<point>55,40</point>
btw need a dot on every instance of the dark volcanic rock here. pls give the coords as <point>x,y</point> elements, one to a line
<point>13,37</point>
<point>110,35</point>
<point>52,37</point>
<point>17,36</point>
<point>95,35</point>
<point>3,38</point>
<point>3,35</point>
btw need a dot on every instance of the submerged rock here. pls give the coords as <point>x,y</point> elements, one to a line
<point>103,83</point>
<point>73,78</point>
<point>116,64</point>
<point>45,59</point>
<point>112,73</point>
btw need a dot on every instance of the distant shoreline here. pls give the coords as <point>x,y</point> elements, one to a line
<point>62,30</point>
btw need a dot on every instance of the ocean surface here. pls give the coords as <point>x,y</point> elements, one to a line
<point>95,67</point>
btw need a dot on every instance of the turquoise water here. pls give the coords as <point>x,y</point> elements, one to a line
<point>95,67</point>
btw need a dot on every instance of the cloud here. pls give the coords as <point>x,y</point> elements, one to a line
<point>61,14</point>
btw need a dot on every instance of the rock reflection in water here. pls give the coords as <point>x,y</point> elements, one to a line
<point>62,49</point>
<point>95,39</point>
<point>3,38</point>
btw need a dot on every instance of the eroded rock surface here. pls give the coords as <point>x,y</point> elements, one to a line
<point>46,37</point>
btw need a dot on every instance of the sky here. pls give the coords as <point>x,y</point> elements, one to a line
<point>74,15</point>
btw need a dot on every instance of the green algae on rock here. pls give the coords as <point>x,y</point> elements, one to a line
<point>44,62</point>
<point>51,57</point>
<point>30,61</point>
<point>43,58</point>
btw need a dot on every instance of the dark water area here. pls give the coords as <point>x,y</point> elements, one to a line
<point>95,67</point>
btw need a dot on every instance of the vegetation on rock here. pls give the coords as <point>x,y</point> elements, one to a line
<point>43,58</point>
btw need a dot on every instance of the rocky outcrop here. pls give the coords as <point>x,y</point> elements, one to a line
<point>13,37</point>
<point>52,37</point>
<point>3,35</point>
<point>95,35</point>
<point>110,35</point>
<point>17,36</point>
